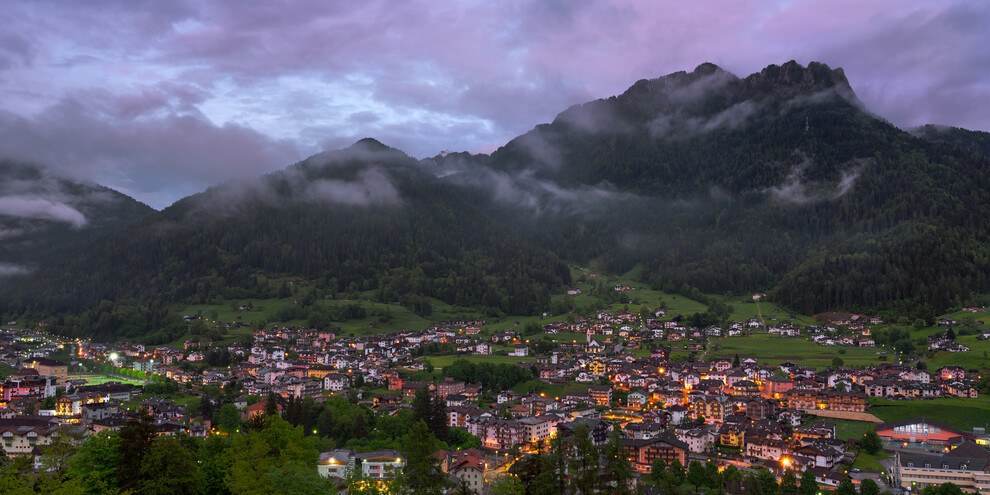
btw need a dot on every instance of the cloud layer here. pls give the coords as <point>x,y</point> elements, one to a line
<point>162,99</point>
<point>39,208</point>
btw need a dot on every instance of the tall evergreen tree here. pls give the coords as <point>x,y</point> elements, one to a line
<point>169,469</point>
<point>676,474</point>
<point>809,486</point>
<point>422,472</point>
<point>584,464</point>
<point>617,468</point>
<point>788,483</point>
<point>658,471</point>
<point>768,482</point>
<point>271,405</point>
<point>135,442</point>
<point>871,442</point>
<point>868,487</point>
<point>846,487</point>
<point>696,475</point>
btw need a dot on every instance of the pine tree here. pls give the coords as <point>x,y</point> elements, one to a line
<point>135,442</point>
<point>808,484</point>
<point>271,405</point>
<point>658,471</point>
<point>788,483</point>
<point>846,487</point>
<point>871,443</point>
<point>584,463</point>
<point>868,487</point>
<point>438,420</point>
<point>768,482</point>
<point>675,473</point>
<point>557,463</point>
<point>713,478</point>
<point>360,426</point>
<point>422,473</point>
<point>696,475</point>
<point>618,469</point>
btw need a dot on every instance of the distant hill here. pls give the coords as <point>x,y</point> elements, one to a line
<point>41,212</point>
<point>778,182</point>
<point>977,142</point>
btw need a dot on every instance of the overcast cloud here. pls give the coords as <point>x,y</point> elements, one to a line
<point>162,99</point>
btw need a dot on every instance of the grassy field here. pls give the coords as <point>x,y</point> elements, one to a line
<point>851,430</point>
<point>441,361</point>
<point>960,413</point>
<point>977,357</point>
<point>534,386</point>
<point>773,350</point>
<point>264,311</point>
<point>869,463</point>
<point>5,370</point>
<point>101,379</point>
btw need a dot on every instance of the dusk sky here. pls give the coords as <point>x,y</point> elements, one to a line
<point>161,99</point>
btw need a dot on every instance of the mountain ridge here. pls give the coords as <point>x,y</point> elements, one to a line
<point>780,182</point>
<point>41,211</point>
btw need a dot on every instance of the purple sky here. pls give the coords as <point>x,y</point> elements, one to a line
<point>160,99</point>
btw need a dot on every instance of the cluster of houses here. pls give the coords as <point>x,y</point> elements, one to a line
<point>664,408</point>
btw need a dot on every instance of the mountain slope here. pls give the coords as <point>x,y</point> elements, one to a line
<point>780,181</point>
<point>41,211</point>
<point>352,220</point>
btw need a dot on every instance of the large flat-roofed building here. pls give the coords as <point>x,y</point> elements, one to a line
<point>967,466</point>
<point>922,430</point>
<point>917,472</point>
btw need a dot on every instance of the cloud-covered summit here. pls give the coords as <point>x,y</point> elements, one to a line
<point>163,99</point>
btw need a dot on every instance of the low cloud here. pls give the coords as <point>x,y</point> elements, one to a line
<point>593,118</point>
<point>540,150</point>
<point>797,191</point>
<point>10,270</point>
<point>135,144</point>
<point>525,189</point>
<point>371,187</point>
<point>686,94</point>
<point>676,126</point>
<point>43,209</point>
<point>308,182</point>
<point>841,91</point>
<point>9,233</point>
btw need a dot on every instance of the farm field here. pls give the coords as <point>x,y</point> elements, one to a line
<point>960,413</point>
<point>773,350</point>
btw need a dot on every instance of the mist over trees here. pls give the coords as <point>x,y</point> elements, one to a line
<point>778,182</point>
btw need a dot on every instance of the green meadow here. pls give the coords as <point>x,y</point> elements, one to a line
<point>773,350</point>
<point>960,413</point>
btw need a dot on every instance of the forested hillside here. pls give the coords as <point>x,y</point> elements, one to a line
<point>353,220</point>
<point>779,182</point>
<point>41,211</point>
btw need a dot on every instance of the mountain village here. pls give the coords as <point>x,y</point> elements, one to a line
<point>647,376</point>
